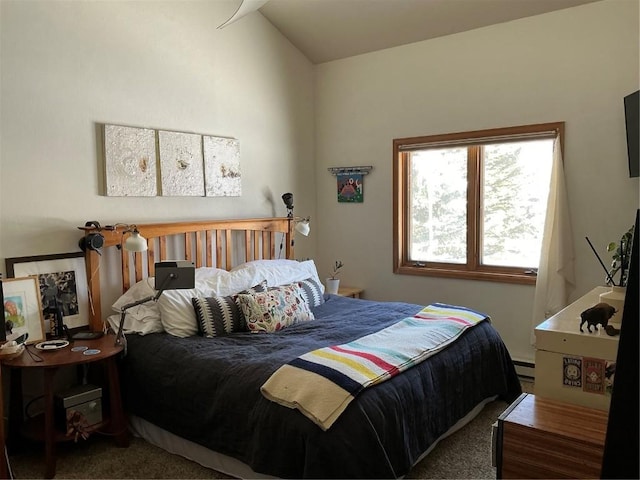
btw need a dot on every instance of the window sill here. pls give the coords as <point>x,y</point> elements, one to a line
<point>502,277</point>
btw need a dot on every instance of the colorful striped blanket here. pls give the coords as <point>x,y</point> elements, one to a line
<point>323,382</point>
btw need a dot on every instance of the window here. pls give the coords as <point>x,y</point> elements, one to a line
<point>473,205</point>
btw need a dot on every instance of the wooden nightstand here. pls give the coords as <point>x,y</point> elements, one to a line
<point>353,292</point>
<point>543,438</point>
<point>42,427</point>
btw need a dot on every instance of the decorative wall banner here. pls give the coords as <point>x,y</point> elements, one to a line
<point>350,188</point>
<point>181,164</point>
<point>350,183</point>
<point>130,161</point>
<point>222,167</point>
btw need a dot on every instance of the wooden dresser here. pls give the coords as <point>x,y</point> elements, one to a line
<point>545,438</point>
<point>574,366</point>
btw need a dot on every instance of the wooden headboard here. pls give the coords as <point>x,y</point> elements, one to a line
<point>210,243</point>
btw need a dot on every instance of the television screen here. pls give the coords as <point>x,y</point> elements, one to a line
<point>631,105</point>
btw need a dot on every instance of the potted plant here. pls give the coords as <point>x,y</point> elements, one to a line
<point>620,258</point>
<point>333,283</point>
<point>619,265</point>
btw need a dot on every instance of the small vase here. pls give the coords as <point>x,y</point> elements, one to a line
<point>332,285</point>
<point>615,298</point>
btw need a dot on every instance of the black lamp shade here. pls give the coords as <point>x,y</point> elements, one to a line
<point>287,198</point>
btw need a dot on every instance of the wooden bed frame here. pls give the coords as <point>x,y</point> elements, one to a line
<point>208,243</point>
<point>218,243</point>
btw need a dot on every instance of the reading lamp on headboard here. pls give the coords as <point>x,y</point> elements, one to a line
<point>169,276</point>
<point>301,223</point>
<point>95,240</point>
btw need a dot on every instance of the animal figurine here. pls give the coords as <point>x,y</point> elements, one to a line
<point>598,314</point>
<point>612,331</point>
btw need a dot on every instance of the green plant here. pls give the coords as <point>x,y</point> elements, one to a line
<point>620,258</point>
<point>336,269</point>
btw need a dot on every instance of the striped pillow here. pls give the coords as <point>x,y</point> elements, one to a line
<point>222,315</point>
<point>312,292</point>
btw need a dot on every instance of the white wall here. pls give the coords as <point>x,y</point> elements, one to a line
<point>70,65</point>
<point>574,65</point>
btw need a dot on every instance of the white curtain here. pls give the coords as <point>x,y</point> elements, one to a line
<point>556,277</point>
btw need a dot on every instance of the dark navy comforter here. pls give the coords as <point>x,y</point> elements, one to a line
<point>207,390</point>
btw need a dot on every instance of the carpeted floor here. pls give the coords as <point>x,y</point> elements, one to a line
<point>465,454</point>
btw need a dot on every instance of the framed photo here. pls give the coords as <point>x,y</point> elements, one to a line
<point>22,309</point>
<point>62,281</point>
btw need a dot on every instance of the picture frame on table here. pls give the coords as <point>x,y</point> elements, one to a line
<point>62,282</point>
<point>22,309</point>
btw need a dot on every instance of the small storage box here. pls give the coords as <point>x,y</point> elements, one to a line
<point>83,399</point>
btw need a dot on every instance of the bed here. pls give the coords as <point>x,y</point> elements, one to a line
<point>200,396</point>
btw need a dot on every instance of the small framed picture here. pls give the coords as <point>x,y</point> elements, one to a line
<point>62,280</point>
<point>22,309</point>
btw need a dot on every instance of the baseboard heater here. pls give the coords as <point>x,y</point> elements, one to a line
<point>525,369</point>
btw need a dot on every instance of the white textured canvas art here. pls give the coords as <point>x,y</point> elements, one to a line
<point>130,161</point>
<point>222,167</point>
<point>181,164</point>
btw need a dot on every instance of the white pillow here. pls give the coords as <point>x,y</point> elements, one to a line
<point>206,274</point>
<point>280,272</point>
<point>176,311</point>
<point>229,283</point>
<point>142,289</point>
<point>132,325</point>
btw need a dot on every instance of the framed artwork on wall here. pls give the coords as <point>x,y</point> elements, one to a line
<point>130,161</point>
<point>61,280</point>
<point>22,309</point>
<point>143,162</point>
<point>181,164</point>
<point>222,167</point>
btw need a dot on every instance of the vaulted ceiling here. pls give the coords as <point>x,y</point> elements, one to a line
<point>326,30</point>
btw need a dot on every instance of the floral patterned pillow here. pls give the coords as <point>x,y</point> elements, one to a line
<point>274,309</point>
